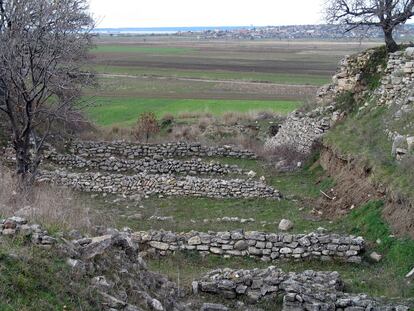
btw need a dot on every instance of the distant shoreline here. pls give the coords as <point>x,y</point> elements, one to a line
<point>168,30</point>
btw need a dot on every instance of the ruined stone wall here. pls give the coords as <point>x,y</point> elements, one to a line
<point>266,246</point>
<point>147,165</point>
<point>168,185</point>
<point>397,93</point>
<point>167,150</point>
<point>302,129</point>
<point>308,290</point>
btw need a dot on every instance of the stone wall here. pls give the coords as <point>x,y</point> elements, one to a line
<point>301,130</point>
<point>147,165</point>
<point>308,290</point>
<point>397,93</point>
<point>19,226</point>
<point>266,246</point>
<point>168,185</point>
<point>167,150</point>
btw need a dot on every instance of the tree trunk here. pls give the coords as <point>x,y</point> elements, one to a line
<point>390,43</point>
<point>22,161</point>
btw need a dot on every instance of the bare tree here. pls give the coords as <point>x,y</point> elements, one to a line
<point>43,45</point>
<point>386,14</point>
<point>147,125</point>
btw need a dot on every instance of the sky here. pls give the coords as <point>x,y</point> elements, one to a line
<point>180,13</point>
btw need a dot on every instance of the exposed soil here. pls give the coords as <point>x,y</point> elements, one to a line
<point>354,188</point>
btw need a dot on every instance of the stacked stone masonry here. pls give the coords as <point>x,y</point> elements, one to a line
<point>167,185</point>
<point>265,246</point>
<point>167,150</point>
<point>157,165</point>
<point>301,130</point>
<point>308,290</point>
<point>397,93</point>
<point>18,226</point>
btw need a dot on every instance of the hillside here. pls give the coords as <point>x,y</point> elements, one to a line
<point>322,219</point>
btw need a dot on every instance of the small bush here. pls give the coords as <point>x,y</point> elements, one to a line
<point>345,101</point>
<point>146,127</point>
<point>167,120</point>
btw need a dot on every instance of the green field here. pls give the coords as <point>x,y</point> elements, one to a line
<point>176,74</point>
<point>125,111</point>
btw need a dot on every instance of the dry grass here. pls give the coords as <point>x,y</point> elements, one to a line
<point>47,205</point>
<point>194,115</point>
<point>185,132</point>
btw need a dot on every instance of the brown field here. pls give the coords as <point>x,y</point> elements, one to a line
<point>177,68</point>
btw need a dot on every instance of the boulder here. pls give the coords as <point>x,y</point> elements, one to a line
<point>241,245</point>
<point>195,240</point>
<point>213,307</point>
<point>97,246</point>
<point>375,256</point>
<point>285,225</point>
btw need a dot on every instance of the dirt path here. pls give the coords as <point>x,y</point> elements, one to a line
<point>301,86</point>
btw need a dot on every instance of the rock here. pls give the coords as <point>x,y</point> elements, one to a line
<point>9,232</point>
<point>195,240</point>
<point>251,174</point>
<point>97,246</point>
<point>285,225</point>
<point>112,301</point>
<point>194,287</point>
<point>375,256</point>
<point>159,245</point>
<point>213,307</point>
<point>241,245</point>
<point>18,220</point>
<point>156,305</point>
<point>409,52</point>
<point>410,274</point>
<point>398,143</point>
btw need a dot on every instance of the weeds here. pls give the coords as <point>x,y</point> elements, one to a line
<point>45,204</point>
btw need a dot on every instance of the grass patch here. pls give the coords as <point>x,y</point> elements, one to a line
<point>36,279</point>
<point>367,277</point>
<point>368,222</point>
<point>362,135</point>
<point>125,111</point>
<point>190,213</point>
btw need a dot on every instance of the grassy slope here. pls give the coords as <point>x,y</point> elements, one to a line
<point>125,111</point>
<point>362,136</point>
<point>36,279</point>
<point>302,187</point>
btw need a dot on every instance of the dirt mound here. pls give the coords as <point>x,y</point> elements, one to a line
<point>354,188</point>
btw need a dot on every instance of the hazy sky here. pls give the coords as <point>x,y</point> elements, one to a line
<point>164,13</point>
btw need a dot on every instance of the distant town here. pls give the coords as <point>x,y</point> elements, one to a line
<point>405,32</point>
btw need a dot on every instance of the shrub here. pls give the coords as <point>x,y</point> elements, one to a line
<point>147,126</point>
<point>346,102</point>
<point>167,120</point>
